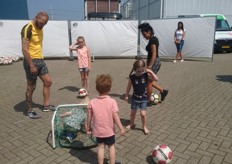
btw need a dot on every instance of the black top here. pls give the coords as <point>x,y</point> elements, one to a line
<point>154,40</point>
<point>139,86</point>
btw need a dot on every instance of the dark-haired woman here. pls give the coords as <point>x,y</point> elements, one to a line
<point>179,41</point>
<point>153,60</point>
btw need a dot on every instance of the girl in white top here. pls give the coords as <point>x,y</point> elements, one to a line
<point>179,41</point>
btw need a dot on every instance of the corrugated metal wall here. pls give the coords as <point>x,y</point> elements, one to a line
<point>150,9</point>
<point>173,8</point>
<point>177,7</point>
<point>146,9</point>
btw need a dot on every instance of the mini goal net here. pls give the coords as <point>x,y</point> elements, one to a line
<point>68,127</point>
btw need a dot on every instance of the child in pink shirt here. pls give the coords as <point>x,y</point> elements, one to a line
<point>103,110</point>
<point>84,60</point>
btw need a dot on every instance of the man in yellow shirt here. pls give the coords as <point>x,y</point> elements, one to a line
<point>34,65</point>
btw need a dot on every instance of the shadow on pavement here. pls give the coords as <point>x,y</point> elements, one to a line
<point>86,156</point>
<point>21,106</point>
<point>150,160</point>
<point>122,97</point>
<point>224,78</point>
<point>70,88</point>
<point>125,122</point>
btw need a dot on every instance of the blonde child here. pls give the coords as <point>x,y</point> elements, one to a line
<point>139,81</point>
<point>103,111</point>
<point>84,60</point>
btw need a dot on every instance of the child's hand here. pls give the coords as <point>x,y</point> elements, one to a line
<point>89,132</point>
<point>126,98</point>
<point>122,132</point>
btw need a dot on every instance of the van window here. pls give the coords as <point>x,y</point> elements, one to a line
<point>222,25</point>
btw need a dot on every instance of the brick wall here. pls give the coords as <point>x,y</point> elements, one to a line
<point>102,6</point>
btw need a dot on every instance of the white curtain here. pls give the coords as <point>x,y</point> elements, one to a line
<point>199,37</point>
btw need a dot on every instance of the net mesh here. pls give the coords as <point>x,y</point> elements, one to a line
<point>70,123</point>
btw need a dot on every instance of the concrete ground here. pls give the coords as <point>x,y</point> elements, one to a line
<point>195,120</point>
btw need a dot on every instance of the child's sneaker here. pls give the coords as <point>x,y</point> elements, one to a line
<point>32,115</point>
<point>182,60</point>
<point>174,61</point>
<point>118,162</point>
<point>49,108</point>
<point>69,139</point>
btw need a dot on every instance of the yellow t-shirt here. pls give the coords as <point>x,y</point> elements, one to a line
<point>35,37</point>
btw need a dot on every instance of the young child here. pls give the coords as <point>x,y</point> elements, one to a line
<point>84,60</point>
<point>76,118</point>
<point>139,81</point>
<point>103,110</point>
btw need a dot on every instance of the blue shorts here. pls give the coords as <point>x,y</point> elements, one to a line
<point>84,69</point>
<point>180,46</point>
<point>107,140</point>
<point>138,104</point>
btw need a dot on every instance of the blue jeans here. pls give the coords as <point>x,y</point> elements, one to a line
<point>180,46</point>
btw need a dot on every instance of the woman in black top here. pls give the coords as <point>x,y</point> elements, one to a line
<point>153,60</point>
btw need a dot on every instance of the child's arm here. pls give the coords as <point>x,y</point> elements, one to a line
<point>119,124</point>
<point>89,119</point>
<point>89,59</point>
<point>65,114</point>
<point>73,47</point>
<point>152,75</point>
<point>128,90</point>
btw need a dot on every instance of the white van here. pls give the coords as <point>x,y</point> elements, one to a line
<point>223,35</point>
<point>223,32</point>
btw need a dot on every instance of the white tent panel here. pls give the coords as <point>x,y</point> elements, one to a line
<point>56,39</point>
<point>199,39</point>
<point>107,38</point>
<point>55,42</point>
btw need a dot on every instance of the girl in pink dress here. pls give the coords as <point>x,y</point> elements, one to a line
<point>84,60</point>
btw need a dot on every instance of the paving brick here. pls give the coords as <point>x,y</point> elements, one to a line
<point>193,160</point>
<point>193,147</point>
<point>196,132</point>
<point>217,152</point>
<point>181,161</point>
<point>228,158</point>
<point>204,146</point>
<point>205,160</point>
<point>217,159</point>
<point>226,144</point>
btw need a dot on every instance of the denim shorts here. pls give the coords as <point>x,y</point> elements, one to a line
<point>138,104</point>
<point>40,66</point>
<point>107,140</point>
<point>84,69</point>
<point>180,46</point>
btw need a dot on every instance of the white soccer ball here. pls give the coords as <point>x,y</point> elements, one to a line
<point>162,154</point>
<point>82,92</point>
<point>155,98</point>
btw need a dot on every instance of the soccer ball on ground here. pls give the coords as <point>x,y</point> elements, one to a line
<point>155,98</point>
<point>82,92</point>
<point>162,154</point>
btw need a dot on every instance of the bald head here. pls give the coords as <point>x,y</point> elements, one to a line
<point>42,13</point>
<point>41,19</point>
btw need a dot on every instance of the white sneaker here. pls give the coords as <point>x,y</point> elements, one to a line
<point>182,60</point>
<point>174,61</point>
<point>69,139</point>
